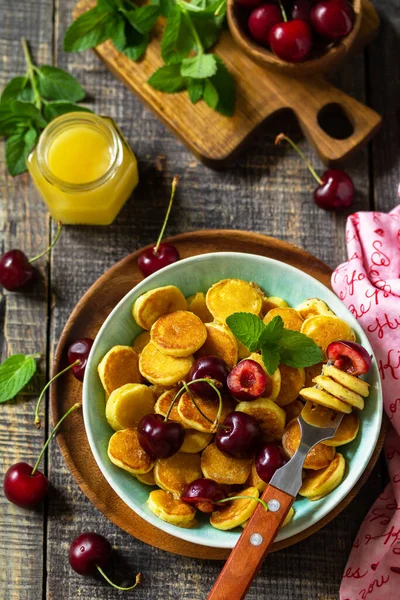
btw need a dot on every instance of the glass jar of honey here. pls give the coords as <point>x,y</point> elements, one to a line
<point>83,168</point>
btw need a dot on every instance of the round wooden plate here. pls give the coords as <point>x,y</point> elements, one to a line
<point>86,320</point>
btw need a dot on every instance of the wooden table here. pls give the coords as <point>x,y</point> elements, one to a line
<point>267,190</point>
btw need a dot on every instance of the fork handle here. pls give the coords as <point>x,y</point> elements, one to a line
<point>253,545</point>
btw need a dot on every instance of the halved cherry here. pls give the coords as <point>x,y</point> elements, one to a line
<point>349,356</point>
<point>247,380</point>
<point>203,494</point>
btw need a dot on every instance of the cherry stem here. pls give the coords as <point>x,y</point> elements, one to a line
<point>37,418</point>
<point>215,423</point>
<point>37,100</point>
<point>160,237</point>
<point>118,587</point>
<point>283,11</point>
<point>220,7</point>
<point>260,500</point>
<point>53,243</point>
<point>171,406</point>
<point>74,407</point>
<point>281,137</point>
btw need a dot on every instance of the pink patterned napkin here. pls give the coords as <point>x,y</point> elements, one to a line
<point>369,285</point>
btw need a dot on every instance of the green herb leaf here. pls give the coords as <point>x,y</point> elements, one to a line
<point>144,18</point>
<point>18,147</point>
<point>58,107</point>
<point>208,30</point>
<point>56,84</point>
<point>248,329</point>
<point>16,115</point>
<point>210,94</point>
<point>15,372</point>
<point>195,89</point>
<point>271,358</point>
<point>117,32</point>
<point>199,67</point>
<point>223,85</point>
<point>273,331</point>
<point>13,89</point>
<point>89,30</point>
<point>177,40</point>
<point>168,79</point>
<point>298,350</point>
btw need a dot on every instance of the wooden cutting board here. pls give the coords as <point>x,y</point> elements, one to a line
<point>86,320</point>
<point>213,138</point>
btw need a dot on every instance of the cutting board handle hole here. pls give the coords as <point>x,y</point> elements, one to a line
<point>335,122</point>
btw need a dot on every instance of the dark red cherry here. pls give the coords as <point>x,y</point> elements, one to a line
<point>247,380</point>
<point>349,356</point>
<point>80,350</point>
<point>89,551</point>
<point>24,489</point>
<point>248,3</point>
<point>240,435</point>
<point>203,494</point>
<point>301,10</point>
<point>158,437</point>
<point>209,367</point>
<point>333,19</point>
<point>15,270</point>
<point>335,192</point>
<point>291,41</point>
<point>261,21</point>
<point>150,261</point>
<point>269,458</point>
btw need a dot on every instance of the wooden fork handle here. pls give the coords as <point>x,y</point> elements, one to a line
<point>252,546</point>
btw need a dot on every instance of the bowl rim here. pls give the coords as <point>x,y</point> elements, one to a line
<point>187,534</point>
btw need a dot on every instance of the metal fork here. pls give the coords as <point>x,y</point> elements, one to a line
<point>317,424</point>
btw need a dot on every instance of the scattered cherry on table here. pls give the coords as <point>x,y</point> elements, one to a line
<point>349,356</point>
<point>161,254</point>
<point>239,435</point>
<point>335,189</point>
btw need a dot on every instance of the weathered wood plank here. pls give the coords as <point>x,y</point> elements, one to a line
<point>24,224</point>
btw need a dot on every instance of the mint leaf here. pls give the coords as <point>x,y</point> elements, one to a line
<point>224,87</point>
<point>56,84</point>
<point>207,29</point>
<point>248,329</point>
<point>272,331</point>
<point>168,79</point>
<point>271,358</point>
<point>89,30</point>
<point>195,89</point>
<point>135,43</point>
<point>199,67</point>
<point>15,372</point>
<point>144,18</point>
<point>117,32</point>
<point>210,94</point>
<point>57,108</point>
<point>298,350</point>
<point>19,115</point>
<point>177,40</point>
<point>13,89</point>
<point>18,147</point>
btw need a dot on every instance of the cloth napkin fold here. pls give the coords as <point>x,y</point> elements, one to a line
<point>369,284</point>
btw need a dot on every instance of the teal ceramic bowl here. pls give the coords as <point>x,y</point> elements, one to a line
<point>198,274</point>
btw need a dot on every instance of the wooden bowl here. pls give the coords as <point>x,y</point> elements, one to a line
<point>328,61</point>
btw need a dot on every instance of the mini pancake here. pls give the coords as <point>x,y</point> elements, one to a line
<point>230,296</point>
<point>158,390</point>
<point>293,410</point>
<point>273,385</point>
<point>348,381</point>
<point>220,342</point>
<point>197,305</point>
<point>234,513</point>
<point>118,367</point>
<point>243,352</point>
<point>292,381</point>
<point>319,484</point>
<point>339,391</point>
<point>160,301</point>
<point>314,307</point>
<point>173,474</point>
<point>163,403</point>
<point>318,396</point>
<point>268,415</point>
<point>179,334</point>
<point>346,432</point>
<point>271,302</point>
<point>171,510</point>
<point>193,419</point>
<point>159,368</point>
<point>287,520</point>
<point>141,341</point>
<point>195,441</point>
<point>128,404</point>
<point>224,468</point>
<point>291,318</point>
<point>125,451</point>
<point>311,372</point>
<point>147,478</point>
<point>326,329</point>
<point>254,480</point>
<point>319,457</point>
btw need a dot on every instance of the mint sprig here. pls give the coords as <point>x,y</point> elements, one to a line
<point>15,372</point>
<point>277,344</point>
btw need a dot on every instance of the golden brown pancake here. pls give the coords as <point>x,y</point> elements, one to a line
<point>319,457</point>
<point>224,468</point>
<point>118,367</point>
<point>125,451</point>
